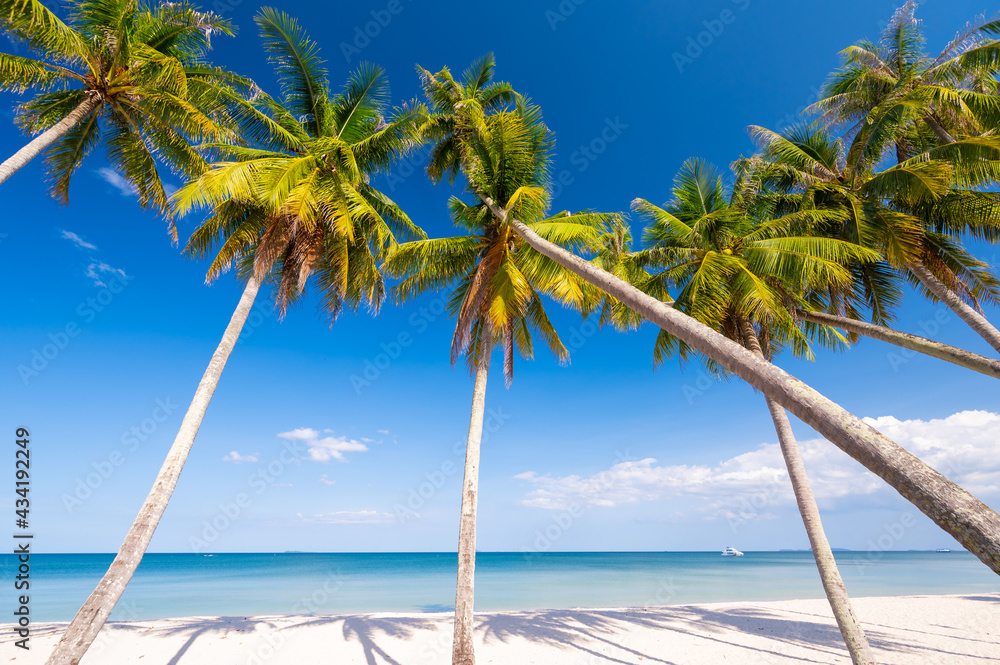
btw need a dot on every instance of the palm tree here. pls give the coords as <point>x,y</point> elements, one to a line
<point>739,270</point>
<point>496,299</point>
<point>929,347</point>
<point>887,211</point>
<point>899,99</point>
<point>300,205</point>
<point>895,98</point>
<point>954,509</point>
<point>614,254</point>
<point>458,108</point>
<point>123,72</point>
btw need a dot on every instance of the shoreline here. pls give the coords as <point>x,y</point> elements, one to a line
<point>903,630</point>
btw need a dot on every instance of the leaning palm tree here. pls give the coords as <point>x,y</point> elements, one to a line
<point>299,205</point>
<point>498,283</point>
<point>123,72</point>
<point>739,270</point>
<point>895,99</point>
<point>888,210</point>
<point>952,508</point>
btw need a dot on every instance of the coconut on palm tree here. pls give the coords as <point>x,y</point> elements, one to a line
<point>124,73</point>
<point>497,287</point>
<point>952,508</point>
<point>299,205</point>
<point>740,270</point>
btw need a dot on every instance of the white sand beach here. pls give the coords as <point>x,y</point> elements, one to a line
<point>903,631</point>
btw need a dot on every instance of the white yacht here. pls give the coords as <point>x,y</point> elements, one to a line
<point>731,551</point>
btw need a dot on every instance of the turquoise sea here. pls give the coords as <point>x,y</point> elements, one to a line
<point>170,585</point>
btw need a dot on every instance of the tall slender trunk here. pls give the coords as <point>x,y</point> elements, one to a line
<point>20,158</point>
<point>969,520</point>
<point>833,584</point>
<point>952,354</point>
<point>95,611</point>
<point>463,647</point>
<point>975,320</point>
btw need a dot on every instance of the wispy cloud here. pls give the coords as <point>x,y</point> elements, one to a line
<point>349,517</point>
<point>97,269</point>
<point>76,240</point>
<point>326,448</point>
<point>962,447</point>
<point>236,458</point>
<point>326,481</point>
<point>124,187</point>
<point>113,178</point>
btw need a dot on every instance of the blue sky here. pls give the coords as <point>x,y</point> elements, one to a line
<point>570,450</point>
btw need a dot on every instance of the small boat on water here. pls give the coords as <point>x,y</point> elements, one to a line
<point>942,551</point>
<point>731,551</point>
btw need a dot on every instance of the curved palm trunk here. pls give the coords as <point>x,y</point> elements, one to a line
<point>21,158</point>
<point>833,584</point>
<point>975,320</point>
<point>95,611</point>
<point>952,354</point>
<point>463,648</point>
<point>969,520</point>
<point>939,131</point>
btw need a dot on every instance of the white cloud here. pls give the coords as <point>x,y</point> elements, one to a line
<point>236,458</point>
<point>97,269</point>
<point>326,481</point>
<point>76,240</point>
<point>326,448</point>
<point>384,431</point>
<point>113,178</point>
<point>962,447</point>
<point>349,517</point>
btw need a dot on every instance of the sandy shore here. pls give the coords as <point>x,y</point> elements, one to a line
<point>915,629</point>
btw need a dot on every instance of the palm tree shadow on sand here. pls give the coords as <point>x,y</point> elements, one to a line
<point>203,626</point>
<point>574,629</point>
<point>365,629</point>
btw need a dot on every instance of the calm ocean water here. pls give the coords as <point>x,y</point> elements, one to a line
<point>168,585</point>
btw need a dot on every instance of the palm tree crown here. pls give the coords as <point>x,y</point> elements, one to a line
<point>136,71</point>
<point>300,203</point>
